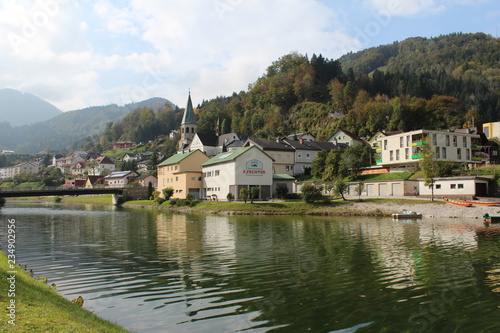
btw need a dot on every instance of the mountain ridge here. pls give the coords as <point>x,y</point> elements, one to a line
<point>22,108</point>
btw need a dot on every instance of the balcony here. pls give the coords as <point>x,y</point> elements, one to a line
<point>416,157</point>
<point>419,143</point>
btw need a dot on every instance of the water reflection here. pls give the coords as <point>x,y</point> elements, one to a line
<point>154,271</point>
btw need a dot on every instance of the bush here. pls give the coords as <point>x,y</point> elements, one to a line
<point>230,197</point>
<point>311,193</point>
<point>168,192</point>
<point>244,194</point>
<point>155,196</point>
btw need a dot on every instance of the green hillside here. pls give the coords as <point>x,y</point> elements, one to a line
<point>440,83</point>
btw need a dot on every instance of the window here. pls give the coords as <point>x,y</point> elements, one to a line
<point>460,185</point>
<point>401,142</point>
<point>397,155</point>
<point>453,186</point>
<point>447,141</point>
<point>299,155</point>
<point>467,154</point>
<point>438,186</point>
<point>193,178</point>
<point>407,153</point>
<point>465,141</point>
<point>443,152</point>
<point>459,153</point>
<point>408,141</point>
<point>391,153</point>
<point>308,156</point>
<point>385,144</point>
<point>434,139</point>
<point>454,141</point>
<point>217,172</point>
<point>437,152</point>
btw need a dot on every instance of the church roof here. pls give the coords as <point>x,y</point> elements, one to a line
<point>189,117</point>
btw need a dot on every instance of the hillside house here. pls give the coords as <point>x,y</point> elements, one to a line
<point>119,178</point>
<point>345,137</point>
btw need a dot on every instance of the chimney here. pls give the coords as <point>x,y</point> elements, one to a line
<point>301,141</point>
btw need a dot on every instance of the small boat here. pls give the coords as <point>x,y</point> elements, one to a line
<point>457,202</point>
<point>406,214</point>
<point>481,203</point>
<point>488,219</point>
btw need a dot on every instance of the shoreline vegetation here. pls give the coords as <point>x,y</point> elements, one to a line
<point>38,308</point>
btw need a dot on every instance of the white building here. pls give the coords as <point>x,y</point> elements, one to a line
<point>5,172</point>
<point>402,151</point>
<point>456,186</point>
<point>232,171</point>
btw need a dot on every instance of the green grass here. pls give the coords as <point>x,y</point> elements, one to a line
<point>40,309</point>
<point>289,207</point>
<point>387,176</point>
<point>104,199</point>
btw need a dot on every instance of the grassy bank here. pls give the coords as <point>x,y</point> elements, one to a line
<point>336,207</point>
<point>40,309</point>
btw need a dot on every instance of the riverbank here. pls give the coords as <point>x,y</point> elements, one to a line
<point>351,207</point>
<point>34,307</point>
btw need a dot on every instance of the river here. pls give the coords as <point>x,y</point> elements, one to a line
<point>156,271</point>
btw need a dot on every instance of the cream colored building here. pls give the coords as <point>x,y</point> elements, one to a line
<point>402,151</point>
<point>182,172</point>
<point>491,130</point>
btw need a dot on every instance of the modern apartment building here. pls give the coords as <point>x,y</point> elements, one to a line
<point>402,151</point>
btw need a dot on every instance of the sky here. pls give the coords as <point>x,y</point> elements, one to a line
<point>76,54</point>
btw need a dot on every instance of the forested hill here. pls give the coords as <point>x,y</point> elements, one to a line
<point>438,83</point>
<point>71,129</point>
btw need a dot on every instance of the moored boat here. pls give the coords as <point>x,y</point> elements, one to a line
<point>489,219</point>
<point>457,202</point>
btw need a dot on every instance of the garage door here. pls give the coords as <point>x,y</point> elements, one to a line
<point>370,190</point>
<point>397,189</point>
<point>383,190</point>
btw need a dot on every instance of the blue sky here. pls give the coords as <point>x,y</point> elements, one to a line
<point>83,53</point>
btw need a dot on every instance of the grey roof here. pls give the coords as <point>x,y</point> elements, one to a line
<point>271,144</point>
<point>189,117</point>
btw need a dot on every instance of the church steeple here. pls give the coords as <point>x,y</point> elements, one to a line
<point>188,125</point>
<point>189,117</point>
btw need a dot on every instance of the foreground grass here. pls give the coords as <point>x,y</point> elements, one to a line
<point>103,199</point>
<point>40,309</point>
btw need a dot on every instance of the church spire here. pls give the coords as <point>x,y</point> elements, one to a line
<point>189,117</point>
<point>188,126</point>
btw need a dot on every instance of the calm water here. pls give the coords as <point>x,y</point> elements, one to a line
<point>155,271</point>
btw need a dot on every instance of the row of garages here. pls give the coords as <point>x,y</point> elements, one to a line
<point>443,187</point>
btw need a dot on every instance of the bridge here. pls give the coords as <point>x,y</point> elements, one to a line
<point>16,192</point>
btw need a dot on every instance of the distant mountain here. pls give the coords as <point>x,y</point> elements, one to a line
<point>18,108</point>
<point>69,128</point>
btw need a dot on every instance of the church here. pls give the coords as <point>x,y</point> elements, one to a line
<point>211,143</point>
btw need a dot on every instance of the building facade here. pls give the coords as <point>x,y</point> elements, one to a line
<point>403,151</point>
<point>232,171</point>
<point>182,173</point>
